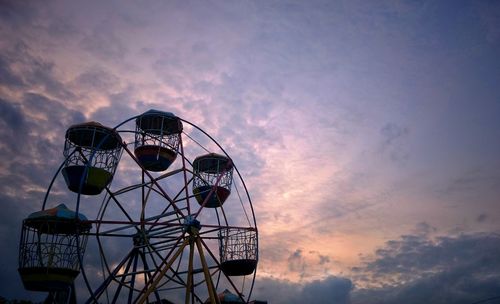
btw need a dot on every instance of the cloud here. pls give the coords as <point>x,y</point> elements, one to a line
<point>8,77</point>
<point>393,136</point>
<point>12,120</point>
<point>412,269</point>
<point>392,132</point>
<point>296,262</point>
<point>329,290</point>
<point>307,99</point>
<point>104,43</point>
<point>482,217</point>
<point>424,229</point>
<point>97,80</point>
<point>417,269</point>
<point>489,14</point>
<point>14,13</point>
<point>27,71</point>
<point>32,124</point>
<point>472,180</point>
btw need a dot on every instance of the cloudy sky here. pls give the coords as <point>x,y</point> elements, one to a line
<point>368,132</point>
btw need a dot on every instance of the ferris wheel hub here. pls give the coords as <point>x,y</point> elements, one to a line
<point>141,238</point>
<point>191,225</point>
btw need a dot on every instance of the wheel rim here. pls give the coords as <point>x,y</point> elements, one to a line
<point>167,256</point>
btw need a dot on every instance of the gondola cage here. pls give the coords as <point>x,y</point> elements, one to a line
<point>92,153</point>
<point>213,177</point>
<point>238,251</point>
<point>52,243</point>
<point>157,139</point>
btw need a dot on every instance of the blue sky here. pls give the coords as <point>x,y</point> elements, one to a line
<point>367,132</point>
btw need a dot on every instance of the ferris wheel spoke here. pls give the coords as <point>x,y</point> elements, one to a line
<point>189,285</point>
<point>176,199</point>
<point>102,288</point>
<point>159,274</point>
<point>153,251</point>
<point>223,215</point>
<point>240,295</point>
<point>132,280</point>
<point>160,191</point>
<point>242,205</point>
<point>147,275</point>
<point>167,174</point>
<point>118,204</point>
<point>154,181</point>
<point>186,182</point>
<point>175,277</point>
<point>211,290</point>
<point>165,227</point>
<point>122,280</point>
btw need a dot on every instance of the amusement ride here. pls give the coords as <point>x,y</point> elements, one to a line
<point>168,218</point>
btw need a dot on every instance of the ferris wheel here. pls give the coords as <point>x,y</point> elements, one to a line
<point>160,214</point>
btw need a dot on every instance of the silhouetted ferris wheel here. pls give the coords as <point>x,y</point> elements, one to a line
<point>176,225</point>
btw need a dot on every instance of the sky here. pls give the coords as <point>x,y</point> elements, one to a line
<point>367,132</point>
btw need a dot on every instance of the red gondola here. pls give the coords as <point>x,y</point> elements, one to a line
<point>212,180</point>
<point>157,139</point>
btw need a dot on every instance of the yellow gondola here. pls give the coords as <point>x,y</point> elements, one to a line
<point>51,243</point>
<point>92,154</point>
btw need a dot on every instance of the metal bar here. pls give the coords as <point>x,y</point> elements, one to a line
<point>211,291</point>
<point>179,211</point>
<point>106,282</point>
<point>122,281</point>
<point>147,275</point>
<point>218,264</point>
<point>189,286</point>
<point>160,275</point>
<point>185,175</point>
<point>132,284</point>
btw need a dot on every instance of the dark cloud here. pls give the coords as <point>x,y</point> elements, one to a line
<point>489,13</point>
<point>412,269</point>
<point>418,269</point>
<point>7,76</point>
<point>104,43</point>
<point>330,290</point>
<point>117,111</point>
<point>424,229</point>
<point>23,70</point>
<point>32,128</point>
<point>392,142</point>
<point>16,13</point>
<point>296,262</point>
<point>30,145</point>
<point>11,118</point>
<point>482,217</point>
<point>62,29</point>
<point>392,132</point>
<point>97,80</point>
<point>323,259</point>
<point>472,180</point>
<point>56,116</point>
